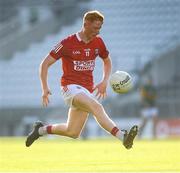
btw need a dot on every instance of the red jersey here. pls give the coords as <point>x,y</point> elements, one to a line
<point>78,59</point>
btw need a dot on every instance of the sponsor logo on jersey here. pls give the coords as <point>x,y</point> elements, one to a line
<point>84,65</point>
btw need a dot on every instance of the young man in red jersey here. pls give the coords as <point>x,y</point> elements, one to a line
<point>78,53</point>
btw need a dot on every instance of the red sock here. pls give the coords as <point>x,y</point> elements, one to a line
<point>114,131</point>
<point>49,129</point>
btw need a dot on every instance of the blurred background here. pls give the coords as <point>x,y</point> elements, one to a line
<point>143,38</point>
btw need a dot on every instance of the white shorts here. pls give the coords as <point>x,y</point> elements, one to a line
<point>69,91</point>
<point>150,112</point>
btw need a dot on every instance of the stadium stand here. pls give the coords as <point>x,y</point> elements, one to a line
<point>136,33</point>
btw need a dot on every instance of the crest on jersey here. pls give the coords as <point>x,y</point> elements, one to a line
<point>96,51</point>
<point>76,52</point>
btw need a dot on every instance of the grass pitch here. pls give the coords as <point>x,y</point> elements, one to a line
<point>63,155</point>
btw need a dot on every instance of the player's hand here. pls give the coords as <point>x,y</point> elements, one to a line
<point>45,97</point>
<point>101,90</point>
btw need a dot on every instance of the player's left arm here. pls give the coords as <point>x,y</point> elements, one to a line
<point>102,86</point>
<point>107,68</point>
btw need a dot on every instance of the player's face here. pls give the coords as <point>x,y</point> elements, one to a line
<point>93,28</point>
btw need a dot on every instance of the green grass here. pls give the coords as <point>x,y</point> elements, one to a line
<point>62,155</point>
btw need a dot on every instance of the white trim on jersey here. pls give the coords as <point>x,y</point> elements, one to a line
<point>78,37</point>
<point>58,48</point>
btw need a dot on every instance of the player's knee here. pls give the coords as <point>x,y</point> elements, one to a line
<point>96,108</point>
<point>73,135</point>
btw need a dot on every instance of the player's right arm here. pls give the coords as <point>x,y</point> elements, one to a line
<point>51,58</point>
<point>43,73</point>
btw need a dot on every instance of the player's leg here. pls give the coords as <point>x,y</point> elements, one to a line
<point>155,120</point>
<point>142,125</point>
<point>86,103</point>
<point>145,114</point>
<point>75,123</point>
<point>73,127</point>
<point>154,113</point>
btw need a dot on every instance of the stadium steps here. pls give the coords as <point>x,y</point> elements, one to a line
<point>20,85</point>
<point>127,36</point>
<point>27,34</point>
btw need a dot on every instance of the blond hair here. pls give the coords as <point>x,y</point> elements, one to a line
<point>93,15</point>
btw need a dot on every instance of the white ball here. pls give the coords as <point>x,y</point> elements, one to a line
<point>121,82</point>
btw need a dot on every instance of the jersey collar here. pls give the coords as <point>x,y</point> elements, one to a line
<point>78,37</point>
